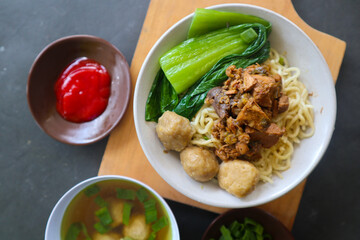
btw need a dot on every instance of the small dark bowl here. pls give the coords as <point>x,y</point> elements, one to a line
<point>45,71</point>
<point>271,225</point>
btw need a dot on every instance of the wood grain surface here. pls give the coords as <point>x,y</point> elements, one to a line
<point>123,154</point>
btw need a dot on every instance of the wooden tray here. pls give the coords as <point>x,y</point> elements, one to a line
<point>123,154</point>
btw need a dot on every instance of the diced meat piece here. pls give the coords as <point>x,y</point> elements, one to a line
<point>231,92</point>
<point>242,148</point>
<point>254,152</point>
<point>267,138</point>
<point>220,101</point>
<point>264,90</point>
<point>249,82</point>
<point>227,152</point>
<point>283,104</point>
<point>252,115</point>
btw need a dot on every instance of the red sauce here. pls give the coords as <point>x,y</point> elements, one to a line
<point>82,90</point>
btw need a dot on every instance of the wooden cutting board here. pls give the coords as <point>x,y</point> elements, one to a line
<point>123,154</point>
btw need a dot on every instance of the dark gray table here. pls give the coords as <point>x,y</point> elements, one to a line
<point>35,170</point>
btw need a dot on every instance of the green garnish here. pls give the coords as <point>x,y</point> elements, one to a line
<point>150,210</point>
<point>73,231</point>
<point>205,137</point>
<point>101,228</point>
<point>85,232</point>
<point>152,236</point>
<point>92,190</point>
<point>248,230</point>
<point>159,224</point>
<point>100,202</point>
<point>281,61</point>
<point>126,212</point>
<point>127,194</point>
<point>249,35</point>
<point>104,216</point>
<point>142,194</point>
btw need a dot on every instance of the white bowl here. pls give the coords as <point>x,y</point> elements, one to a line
<point>53,227</point>
<point>315,74</point>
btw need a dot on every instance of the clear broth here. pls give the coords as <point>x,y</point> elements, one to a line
<point>82,208</point>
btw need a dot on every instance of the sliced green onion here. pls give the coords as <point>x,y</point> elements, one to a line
<point>205,137</point>
<point>159,224</point>
<point>100,202</point>
<point>126,213</point>
<point>127,194</point>
<point>73,231</point>
<point>150,210</point>
<point>249,35</point>
<point>104,216</point>
<point>85,232</point>
<point>92,190</point>
<point>101,228</point>
<point>142,194</point>
<point>152,236</point>
<point>281,61</point>
<point>249,235</point>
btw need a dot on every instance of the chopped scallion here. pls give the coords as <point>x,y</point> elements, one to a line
<point>101,228</point>
<point>152,236</point>
<point>226,234</point>
<point>126,213</point>
<point>92,190</point>
<point>73,231</point>
<point>104,216</point>
<point>281,61</point>
<point>127,194</point>
<point>85,232</point>
<point>100,202</point>
<point>159,224</point>
<point>142,194</point>
<point>150,210</point>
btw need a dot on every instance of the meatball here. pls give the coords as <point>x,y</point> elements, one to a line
<point>116,210</point>
<point>137,228</point>
<point>238,177</point>
<point>174,131</point>
<point>200,164</point>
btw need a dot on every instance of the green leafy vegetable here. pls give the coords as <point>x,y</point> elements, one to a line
<point>104,216</point>
<point>126,213</point>
<point>186,63</point>
<point>92,190</point>
<point>193,100</point>
<point>248,230</point>
<point>73,231</point>
<point>162,97</point>
<point>127,194</point>
<point>208,20</point>
<point>142,194</point>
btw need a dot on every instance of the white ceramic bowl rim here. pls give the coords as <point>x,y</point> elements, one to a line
<point>53,226</point>
<point>241,204</point>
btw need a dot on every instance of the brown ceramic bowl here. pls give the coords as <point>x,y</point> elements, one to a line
<point>45,71</point>
<point>271,225</point>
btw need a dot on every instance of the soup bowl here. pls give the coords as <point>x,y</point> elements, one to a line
<point>55,231</point>
<point>301,52</point>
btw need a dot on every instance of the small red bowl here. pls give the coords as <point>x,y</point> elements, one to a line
<point>271,225</point>
<point>45,71</point>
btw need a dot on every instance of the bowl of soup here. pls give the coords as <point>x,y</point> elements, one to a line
<point>111,208</point>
